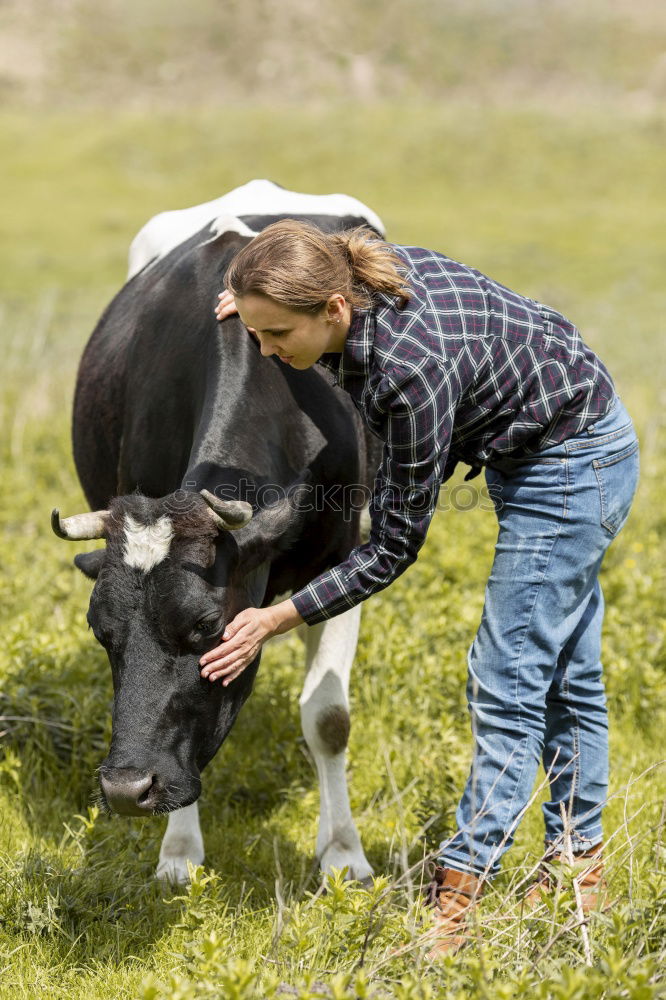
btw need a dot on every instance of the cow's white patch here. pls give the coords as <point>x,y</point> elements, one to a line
<point>146,545</point>
<point>228,224</point>
<point>165,231</point>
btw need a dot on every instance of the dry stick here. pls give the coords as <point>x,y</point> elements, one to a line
<point>570,925</point>
<point>631,846</point>
<point>552,932</point>
<point>568,848</point>
<point>566,832</point>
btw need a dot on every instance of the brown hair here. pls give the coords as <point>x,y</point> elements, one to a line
<point>299,266</point>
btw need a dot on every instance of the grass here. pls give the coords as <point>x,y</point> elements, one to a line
<point>567,208</point>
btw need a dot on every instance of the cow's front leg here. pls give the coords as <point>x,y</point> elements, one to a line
<point>324,704</point>
<point>182,842</point>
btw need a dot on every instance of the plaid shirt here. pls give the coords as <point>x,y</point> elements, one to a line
<point>467,371</point>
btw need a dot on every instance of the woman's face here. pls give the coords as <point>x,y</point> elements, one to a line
<point>298,339</point>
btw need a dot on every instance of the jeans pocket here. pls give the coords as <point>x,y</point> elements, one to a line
<point>617,477</point>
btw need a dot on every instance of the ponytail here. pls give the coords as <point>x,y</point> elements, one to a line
<point>297,265</point>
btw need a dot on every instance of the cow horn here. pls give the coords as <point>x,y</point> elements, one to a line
<point>228,514</point>
<point>79,526</point>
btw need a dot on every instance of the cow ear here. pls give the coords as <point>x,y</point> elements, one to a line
<point>90,563</point>
<point>271,531</point>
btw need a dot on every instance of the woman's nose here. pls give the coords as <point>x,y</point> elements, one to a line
<point>266,348</point>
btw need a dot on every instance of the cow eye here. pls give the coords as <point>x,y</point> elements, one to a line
<point>207,626</point>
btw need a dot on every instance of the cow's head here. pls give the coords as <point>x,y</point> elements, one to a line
<point>174,571</point>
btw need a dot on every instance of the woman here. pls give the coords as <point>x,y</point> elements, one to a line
<point>447,365</point>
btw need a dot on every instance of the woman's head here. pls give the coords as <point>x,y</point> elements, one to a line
<point>304,283</point>
<point>299,266</point>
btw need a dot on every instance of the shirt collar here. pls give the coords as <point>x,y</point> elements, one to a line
<point>356,357</point>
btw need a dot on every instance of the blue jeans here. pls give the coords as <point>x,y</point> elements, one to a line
<point>535,688</point>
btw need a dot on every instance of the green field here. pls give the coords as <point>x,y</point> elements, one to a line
<point>564,206</point>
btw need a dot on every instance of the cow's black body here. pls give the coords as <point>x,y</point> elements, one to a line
<point>169,400</point>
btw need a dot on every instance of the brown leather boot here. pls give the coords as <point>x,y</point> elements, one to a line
<point>451,895</point>
<point>589,879</point>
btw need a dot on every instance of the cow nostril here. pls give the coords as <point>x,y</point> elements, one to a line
<point>149,792</point>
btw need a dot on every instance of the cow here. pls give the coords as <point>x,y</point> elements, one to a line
<point>205,466</point>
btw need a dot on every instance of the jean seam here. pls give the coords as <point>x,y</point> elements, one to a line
<point>575,729</point>
<point>555,538</point>
<point>538,586</point>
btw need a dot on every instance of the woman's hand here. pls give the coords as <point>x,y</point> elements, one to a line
<point>226,306</point>
<point>244,637</point>
<point>242,640</point>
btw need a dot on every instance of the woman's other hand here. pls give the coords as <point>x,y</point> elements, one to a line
<point>226,306</point>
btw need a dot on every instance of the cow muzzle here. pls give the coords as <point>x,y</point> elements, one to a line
<point>131,792</point>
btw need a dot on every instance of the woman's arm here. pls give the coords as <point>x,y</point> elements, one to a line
<point>418,408</point>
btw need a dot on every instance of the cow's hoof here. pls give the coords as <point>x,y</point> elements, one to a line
<point>355,862</point>
<point>175,871</point>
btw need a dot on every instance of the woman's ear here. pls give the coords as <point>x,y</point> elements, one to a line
<point>335,308</point>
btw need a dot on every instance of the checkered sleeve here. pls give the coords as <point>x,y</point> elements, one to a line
<point>417,407</point>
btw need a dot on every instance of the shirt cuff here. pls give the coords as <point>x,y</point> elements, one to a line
<point>324,598</point>
<point>308,608</point>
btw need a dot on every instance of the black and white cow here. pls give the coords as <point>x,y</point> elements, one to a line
<point>202,462</point>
